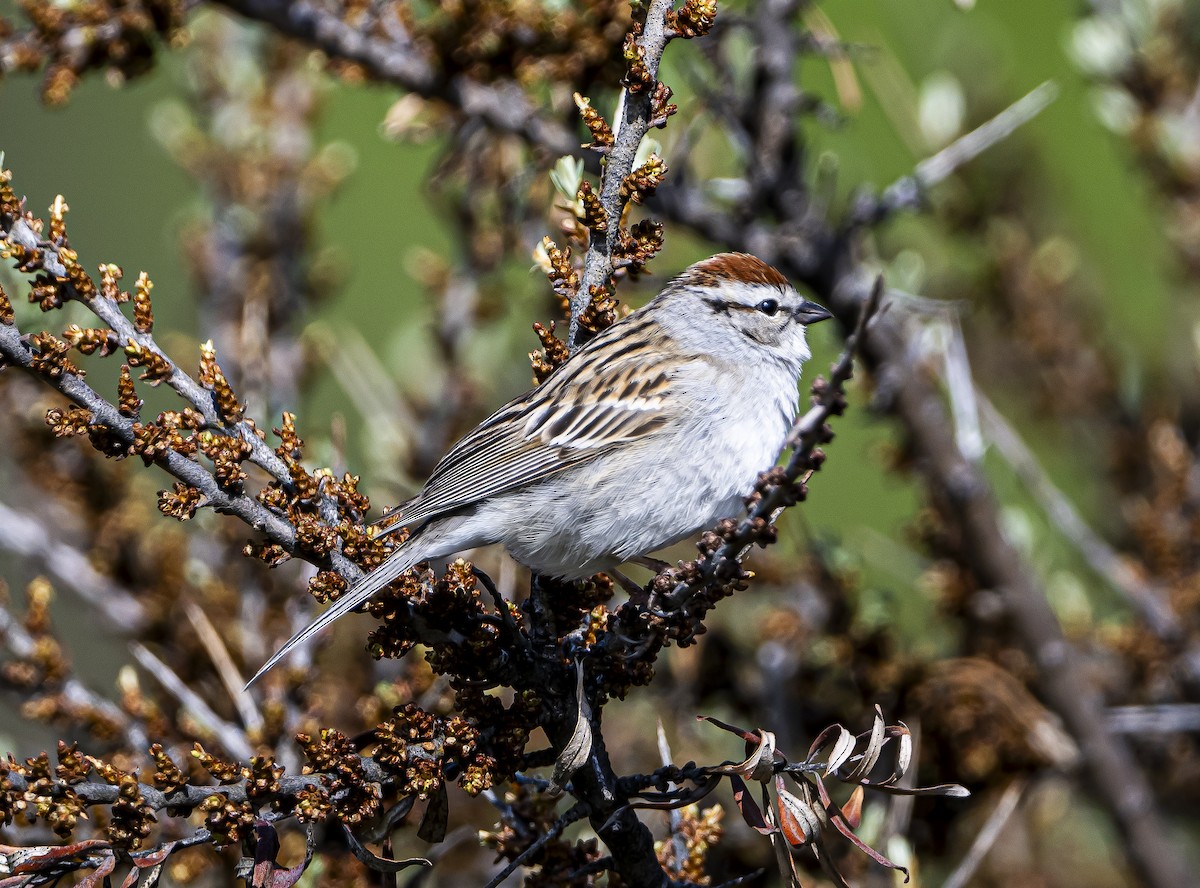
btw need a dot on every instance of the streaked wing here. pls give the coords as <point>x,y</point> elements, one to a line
<point>613,391</point>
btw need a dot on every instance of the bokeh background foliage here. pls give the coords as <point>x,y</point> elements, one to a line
<point>1067,257</point>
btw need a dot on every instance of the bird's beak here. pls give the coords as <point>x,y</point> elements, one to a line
<point>810,313</point>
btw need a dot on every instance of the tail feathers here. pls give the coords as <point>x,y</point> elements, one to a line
<point>396,564</point>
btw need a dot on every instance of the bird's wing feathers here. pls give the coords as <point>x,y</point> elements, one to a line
<point>572,419</point>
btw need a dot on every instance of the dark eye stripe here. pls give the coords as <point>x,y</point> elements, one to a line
<point>723,306</point>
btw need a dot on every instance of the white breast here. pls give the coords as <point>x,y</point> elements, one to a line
<point>647,495</point>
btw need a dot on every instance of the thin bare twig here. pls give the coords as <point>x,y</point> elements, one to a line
<point>578,812</point>
<point>988,835</point>
<point>966,148</point>
<point>502,104</point>
<point>229,735</point>
<point>23,534</point>
<point>1149,601</point>
<point>1170,718</point>
<point>231,677</point>
<point>908,193</point>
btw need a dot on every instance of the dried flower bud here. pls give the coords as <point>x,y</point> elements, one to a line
<point>168,776</point>
<point>110,274</point>
<point>91,341</point>
<point>553,355</point>
<point>180,503</point>
<point>290,444</point>
<point>637,77</point>
<point>68,423</point>
<point>128,403</point>
<point>51,357</point>
<point>227,821</point>
<point>143,315</point>
<point>695,19</point>
<point>46,293</point>
<point>563,277</point>
<point>602,135</point>
<point>57,84</point>
<point>312,805</point>
<point>212,378</point>
<point>262,777</point>
<point>58,224</point>
<point>601,311</point>
<point>593,216</point>
<point>157,367</point>
<point>222,771</point>
<point>10,205</point>
<point>270,554</point>
<point>661,106</point>
<point>643,181</point>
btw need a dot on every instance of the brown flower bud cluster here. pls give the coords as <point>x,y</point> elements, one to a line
<point>300,498</point>
<point>213,379</point>
<point>490,41</point>
<point>473,645</point>
<point>41,796</point>
<point>601,311</point>
<point>553,355</point>
<point>348,792</point>
<point>69,40</point>
<point>562,274</point>
<point>167,775</point>
<point>594,217</point>
<point>92,341</point>
<point>638,244</point>
<point>143,314</point>
<point>565,281</point>
<point>128,402</point>
<point>694,19</point>
<point>661,106</point>
<point>51,359</point>
<point>228,821</point>
<point>416,746</point>
<point>643,181</point>
<point>130,818</point>
<point>156,368</point>
<point>637,77</point>
<point>602,135</point>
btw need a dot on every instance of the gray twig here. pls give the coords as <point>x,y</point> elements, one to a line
<point>24,534</point>
<point>988,835</point>
<point>578,812</point>
<point>1171,718</point>
<point>229,735</point>
<point>1149,601</point>
<point>630,127</point>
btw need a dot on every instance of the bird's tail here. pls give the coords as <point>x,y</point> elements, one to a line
<point>397,563</point>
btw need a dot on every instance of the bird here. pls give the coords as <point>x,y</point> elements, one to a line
<point>653,430</point>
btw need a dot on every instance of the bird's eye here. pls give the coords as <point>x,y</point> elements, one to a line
<point>769,307</point>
